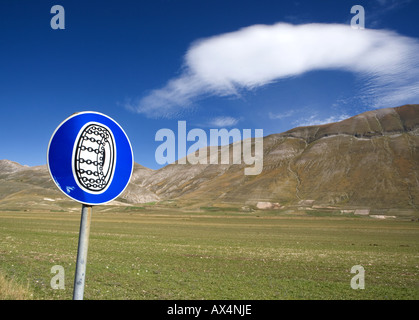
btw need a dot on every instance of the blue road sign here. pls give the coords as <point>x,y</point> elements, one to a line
<point>90,158</point>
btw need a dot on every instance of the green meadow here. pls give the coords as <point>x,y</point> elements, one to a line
<point>146,253</point>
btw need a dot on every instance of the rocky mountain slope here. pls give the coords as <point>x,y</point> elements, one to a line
<point>369,161</point>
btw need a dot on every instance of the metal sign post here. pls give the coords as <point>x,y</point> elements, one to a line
<point>90,160</point>
<point>86,217</point>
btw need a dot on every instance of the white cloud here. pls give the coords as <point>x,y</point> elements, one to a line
<point>278,116</point>
<point>313,120</point>
<point>257,55</point>
<point>223,122</point>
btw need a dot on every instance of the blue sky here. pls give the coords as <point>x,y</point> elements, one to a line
<point>270,65</point>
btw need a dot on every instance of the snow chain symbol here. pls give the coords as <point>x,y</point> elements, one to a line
<point>94,157</point>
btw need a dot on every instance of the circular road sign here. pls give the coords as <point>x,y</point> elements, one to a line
<point>90,158</point>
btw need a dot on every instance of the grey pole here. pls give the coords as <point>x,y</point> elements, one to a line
<point>86,216</point>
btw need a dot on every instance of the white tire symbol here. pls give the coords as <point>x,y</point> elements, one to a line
<point>94,158</point>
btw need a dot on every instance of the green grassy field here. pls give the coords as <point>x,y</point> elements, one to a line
<point>145,253</point>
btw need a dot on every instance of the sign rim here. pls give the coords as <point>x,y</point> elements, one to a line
<point>48,151</point>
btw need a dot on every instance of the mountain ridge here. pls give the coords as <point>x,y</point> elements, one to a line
<point>388,121</point>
